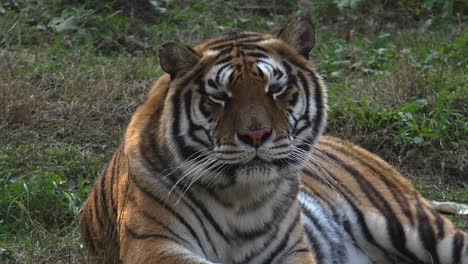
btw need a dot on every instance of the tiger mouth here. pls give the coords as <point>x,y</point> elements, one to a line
<point>257,162</point>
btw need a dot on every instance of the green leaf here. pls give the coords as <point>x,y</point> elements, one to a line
<point>413,107</point>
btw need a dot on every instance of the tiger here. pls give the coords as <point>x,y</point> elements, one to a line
<point>226,161</point>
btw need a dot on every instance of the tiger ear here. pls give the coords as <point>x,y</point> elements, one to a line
<point>177,59</point>
<point>299,33</point>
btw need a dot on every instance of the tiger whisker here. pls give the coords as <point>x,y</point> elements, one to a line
<point>195,179</point>
<point>184,163</point>
<point>194,167</point>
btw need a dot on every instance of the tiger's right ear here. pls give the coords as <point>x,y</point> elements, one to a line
<point>177,59</point>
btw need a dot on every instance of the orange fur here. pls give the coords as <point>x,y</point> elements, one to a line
<point>130,218</point>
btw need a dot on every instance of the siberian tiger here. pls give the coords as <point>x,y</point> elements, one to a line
<point>225,163</point>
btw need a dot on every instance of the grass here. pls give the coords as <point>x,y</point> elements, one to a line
<point>66,97</point>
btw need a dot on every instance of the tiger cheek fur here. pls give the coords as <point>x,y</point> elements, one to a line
<point>217,167</point>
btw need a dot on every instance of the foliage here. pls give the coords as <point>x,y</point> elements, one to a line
<point>41,193</point>
<point>444,9</point>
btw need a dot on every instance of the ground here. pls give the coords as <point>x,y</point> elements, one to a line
<point>71,75</point>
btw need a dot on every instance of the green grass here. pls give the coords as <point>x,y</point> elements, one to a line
<point>43,186</point>
<point>65,101</point>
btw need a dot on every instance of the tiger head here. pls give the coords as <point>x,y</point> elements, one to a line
<point>244,106</point>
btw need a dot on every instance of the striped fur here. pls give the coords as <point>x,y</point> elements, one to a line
<point>368,207</point>
<point>184,187</point>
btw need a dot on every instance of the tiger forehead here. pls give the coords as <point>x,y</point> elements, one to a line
<point>240,46</point>
<point>237,54</point>
<point>239,64</point>
<point>235,37</point>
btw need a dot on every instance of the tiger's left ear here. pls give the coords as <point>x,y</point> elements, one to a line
<point>299,33</point>
<point>176,58</point>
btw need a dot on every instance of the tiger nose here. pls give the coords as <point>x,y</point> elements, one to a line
<point>254,138</point>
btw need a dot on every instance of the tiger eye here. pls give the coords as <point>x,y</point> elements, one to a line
<point>220,96</point>
<point>274,88</point>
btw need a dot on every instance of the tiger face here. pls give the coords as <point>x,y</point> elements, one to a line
<point>244,107</point>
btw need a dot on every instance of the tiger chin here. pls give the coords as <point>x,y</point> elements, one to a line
<point>225,163</point>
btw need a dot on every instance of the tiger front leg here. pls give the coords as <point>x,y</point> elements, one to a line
<point>299,254</point>
<point>157,249</point>
<point>300,257</point>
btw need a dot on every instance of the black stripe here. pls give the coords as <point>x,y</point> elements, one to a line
<point>102,189</point>
<point>218,73</point>
<point>397,194</point>
<point>256,55</point>
<point>316,223</point>
<point>317,196</point>
<point>316,248</point>
<point>280,146</point>
<point>340,188</point>
<point>394,226</point>
<point>232,75</point>
<point>97,211</point>
<point>304,146</point>
<point>135,235</point>
<point>280,138</point>
<point>176,112</point>
<point>230,37</point>
<point>253,40</point>
<point>212,84</point>
<point>318,119</point>
<point>284,242</point>
<point>203,109</point>
<point>223,52</point>
<point>225,60</point>
<point>181,146</point>
<point>277,73</point>
<point>427,234</point>
<point>89,238</point>
<point>164,226</point>
<point>111,192</point>
<point>255,205</point>
<point>294,99</point>
<point>290,250</point>
<point>279,213</point>
<point>212,193</point>
<point>207,214</point>
<point>457,248</point>
<point>259,202</point>
<point>287,67</point>
<point>306,88</point>
<point>336,248</point>
<point>439,221</point>
<point>300,250</point>
<point>192,126</point>
<point>229,151</point>
<point>244,46</point>
<point>180,193</point>
<point>347,227</point>
<point>172,212</point>
<point>150,141</point>
<point>307,125</point>
<point>266,63</point>
<point>260,72</point>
